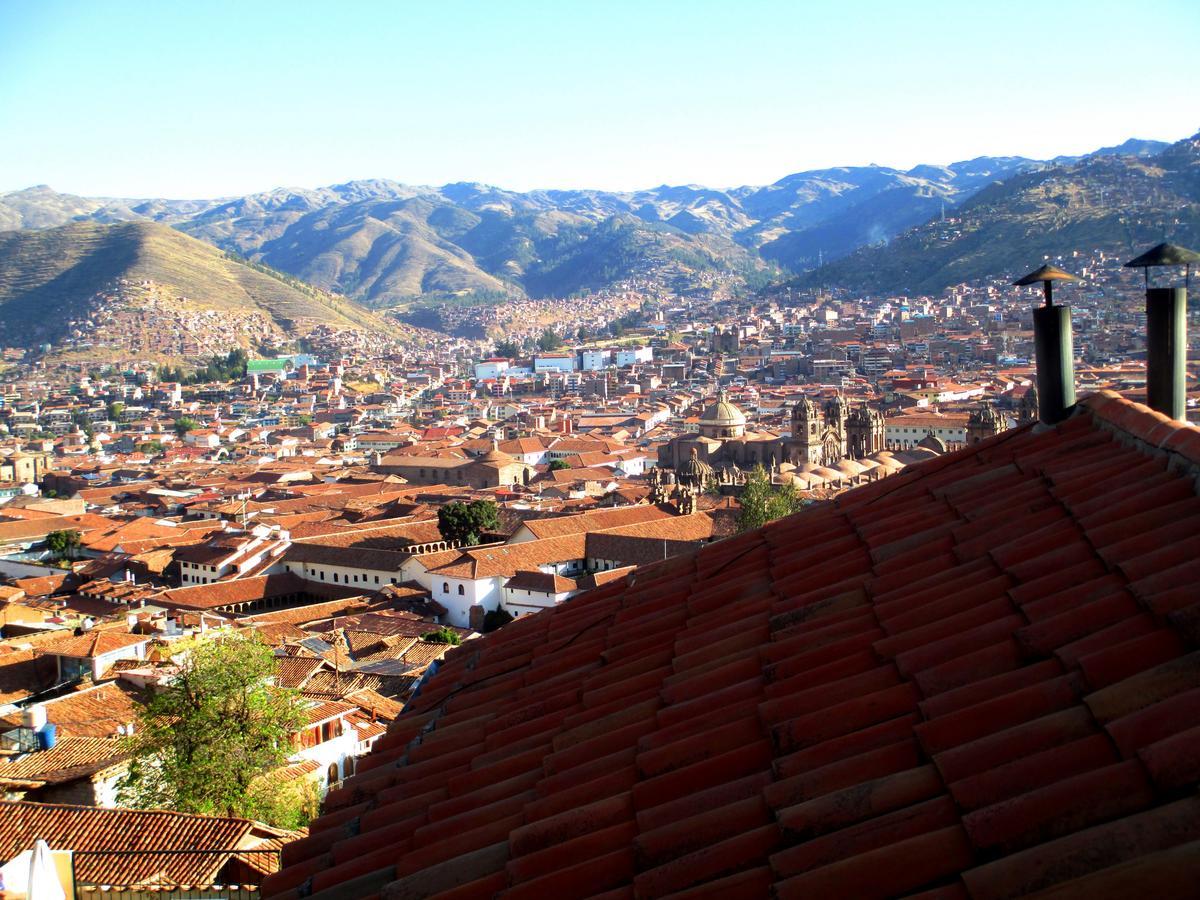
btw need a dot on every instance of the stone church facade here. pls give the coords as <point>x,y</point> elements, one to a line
<point>832,433</point>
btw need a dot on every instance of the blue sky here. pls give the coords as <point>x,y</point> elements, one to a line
<point>215,98</point>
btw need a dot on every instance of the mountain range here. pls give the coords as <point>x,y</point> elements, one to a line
<point>384,243</point>
<point>1110,202</point>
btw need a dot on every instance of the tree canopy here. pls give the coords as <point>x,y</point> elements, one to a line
<point>64,543</point>
<point>443,635</point>
<point>761,503</point>
<point>184,424</point>
<point>463,523</point>
<point>548,340</point>
<point>202,740</point>
<point>230,367</point>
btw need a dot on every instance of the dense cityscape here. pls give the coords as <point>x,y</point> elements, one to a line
<point>776,475</point>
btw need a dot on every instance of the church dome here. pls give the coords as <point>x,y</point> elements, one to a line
<point>496,455</point>
<point>695,472</point>
<point>932,442</point>
<point>723,413</point>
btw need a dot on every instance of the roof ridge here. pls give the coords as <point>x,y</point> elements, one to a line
<point>1148,430</point>
<point>120,811</point>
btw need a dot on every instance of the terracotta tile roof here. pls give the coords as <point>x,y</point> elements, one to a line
<point>294,671</point>
<point>69,759</point>
<point>508,559</point>
<point>25,672</point>
<point>85,828</point>
<point>567,476</point>
<point>41,585</point>
<point>302,615</point>
<point>95,643</point>
<point>92,712</point>
<point>390,536</point>
<point>975,679</point>
<point>330,685</point>
<point>542,582</point>
<point>24,530</point>
<point>286,774</point>
<point>422,653</point>
<point>227,593</point>
<point>375,704</point>
<point>594,520</point>
<point>330,709</point>
<point>320,554</point>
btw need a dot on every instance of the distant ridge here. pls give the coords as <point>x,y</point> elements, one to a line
<point>51,277</point>
<point>387,244</point>
<point>1115,202</point>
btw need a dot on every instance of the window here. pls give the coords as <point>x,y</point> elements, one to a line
<point>377,579</point>
<point>460,590</point>
<point>335,576</point>
<point>445,587</point>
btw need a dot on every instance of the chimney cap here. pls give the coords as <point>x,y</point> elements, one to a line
<point>1164,255</point>
<point>1046,273</point>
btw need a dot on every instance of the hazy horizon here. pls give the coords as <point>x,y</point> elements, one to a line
<point>415,185</point>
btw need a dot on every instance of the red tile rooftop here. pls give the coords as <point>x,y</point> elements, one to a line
<point>977,678</point>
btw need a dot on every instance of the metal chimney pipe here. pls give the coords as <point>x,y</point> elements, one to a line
<point>1054,346</point>
<point>1166,331</point>
<point>1166,351</point>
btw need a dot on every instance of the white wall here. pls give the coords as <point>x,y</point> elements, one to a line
<point>631,355</point>
<point>365,578</point>
<point>485,592</point>
<point>553,364</point>
<point>519,602</point>
<point>595,360</point>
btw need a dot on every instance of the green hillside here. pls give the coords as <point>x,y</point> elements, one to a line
<point>1119,204</point>
<point>48,277</point>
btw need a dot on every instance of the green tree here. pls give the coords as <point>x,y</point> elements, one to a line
<point>115,409</point>
<point>204,739</point>
<point>442,636</point>
<point>63,544</point>
<point>79,417</point>
<point>291,805</point>
<point>761,503</point>
<point>150,448</point>
<point>496,618</point>
<point>184,424</point>
<point>507,349</point>
<point>549,341</point>
<point>556,464</point>
<point>463,523</point>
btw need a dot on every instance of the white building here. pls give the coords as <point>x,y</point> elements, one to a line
<point>554,362</point>
<point>233,554</point>
<point>595,359</point>
<point>629,356</point>
<point>491,368</point>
